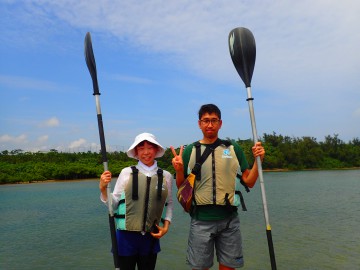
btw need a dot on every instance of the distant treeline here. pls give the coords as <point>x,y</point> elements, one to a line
<point>282,152</point>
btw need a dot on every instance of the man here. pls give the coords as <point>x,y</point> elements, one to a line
<point>214,217</point>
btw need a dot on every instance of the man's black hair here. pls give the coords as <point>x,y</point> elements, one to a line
<point>209,108</point>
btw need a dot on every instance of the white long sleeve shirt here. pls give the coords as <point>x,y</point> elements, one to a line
<point>124,178</point>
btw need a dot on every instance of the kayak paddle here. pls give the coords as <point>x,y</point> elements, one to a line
<point>90,62</point>
<point>243,54</point>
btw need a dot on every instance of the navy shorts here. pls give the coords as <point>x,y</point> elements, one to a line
<point>135,243</point>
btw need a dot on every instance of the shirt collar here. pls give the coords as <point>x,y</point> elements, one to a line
<point>147,168</point>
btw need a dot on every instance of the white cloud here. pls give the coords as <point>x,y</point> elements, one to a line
<point>9,142</point>
<point>19,82</point>
<point>23,142</point>
<point>357,113</point>
<point>43,139</point>
<point>296,44</point>
<point>306,44</point>
<point>78,143</point>
<point>12,139</point>
<point>52,122</point>
<point>307,52</point>
<point>131,79</point>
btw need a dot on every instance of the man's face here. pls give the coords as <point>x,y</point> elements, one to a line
<point>210,125</point>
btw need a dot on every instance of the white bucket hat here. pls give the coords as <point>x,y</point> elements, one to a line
<point>145,137</point>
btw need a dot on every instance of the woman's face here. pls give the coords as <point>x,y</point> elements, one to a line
<point>146,152</point>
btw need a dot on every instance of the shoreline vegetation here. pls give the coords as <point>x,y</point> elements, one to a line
<point>283,154</point>
<point>97,179</point>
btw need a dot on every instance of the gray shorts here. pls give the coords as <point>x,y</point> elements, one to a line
<point>224,235</point>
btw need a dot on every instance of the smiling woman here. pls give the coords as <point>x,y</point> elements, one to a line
<point>141,199</point>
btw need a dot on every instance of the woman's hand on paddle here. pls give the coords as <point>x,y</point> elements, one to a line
<point>177,160</point>
<point>258,151</point>
<point>105,179</point>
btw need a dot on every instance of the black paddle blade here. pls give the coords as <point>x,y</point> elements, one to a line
<point>243,52</point>
<point>90,62</point>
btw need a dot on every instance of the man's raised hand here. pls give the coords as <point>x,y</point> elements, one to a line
<point>177,160</point>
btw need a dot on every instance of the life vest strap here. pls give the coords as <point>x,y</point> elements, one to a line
<point>200,159</point>
<point>197,167</point>
<point>160,183</point>
<point>242,201</point>
<point>213,176</point>
<point>243,183</point>
<point>119,215</point>
<point>148,182</point>
<point>135,186</point>
<point>121,201</point>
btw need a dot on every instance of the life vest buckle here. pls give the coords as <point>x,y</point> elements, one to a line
<point>196,169</point>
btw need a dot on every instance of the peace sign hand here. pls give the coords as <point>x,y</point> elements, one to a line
<point>177,160</point>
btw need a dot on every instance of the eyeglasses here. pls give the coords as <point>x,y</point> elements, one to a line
<point>206,122</point>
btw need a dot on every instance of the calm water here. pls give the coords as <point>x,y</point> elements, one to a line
<point>314,215</point>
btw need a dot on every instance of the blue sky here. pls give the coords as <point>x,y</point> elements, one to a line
<point>158,61</point>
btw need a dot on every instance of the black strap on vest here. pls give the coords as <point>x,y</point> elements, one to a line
<point>122,215</point>
<point>135,186</point>
<point>243,183</point>
<point>242,201</point>
<point>197,167</point>
<point>201,159</point>
<point>160,183</point>
<point>148,182</point>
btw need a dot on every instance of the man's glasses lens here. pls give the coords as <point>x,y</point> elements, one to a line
<point>212,121</point>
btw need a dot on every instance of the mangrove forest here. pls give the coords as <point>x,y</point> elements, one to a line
<point>282,153</point>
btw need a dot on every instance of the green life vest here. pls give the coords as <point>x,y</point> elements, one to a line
<point>141,205</point>
<point>219,180</point>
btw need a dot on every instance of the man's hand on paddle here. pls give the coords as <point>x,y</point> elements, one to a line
<point>258,151</point>
<point>177,160</point>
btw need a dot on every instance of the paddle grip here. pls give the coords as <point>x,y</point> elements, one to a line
<point>114,242</point>
<point>271,250</point>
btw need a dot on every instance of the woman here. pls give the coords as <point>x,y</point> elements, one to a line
<point>141,199</point>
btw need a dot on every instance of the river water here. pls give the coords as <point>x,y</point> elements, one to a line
<point>315,216</point>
